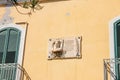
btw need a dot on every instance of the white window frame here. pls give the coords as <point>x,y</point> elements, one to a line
<point>22,40</point>
<point>111,36</point>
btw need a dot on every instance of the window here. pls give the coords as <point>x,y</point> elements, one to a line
<point>115,43</point>
<point>9,41</point>
<point>11,51</point>
<point>12,38</point>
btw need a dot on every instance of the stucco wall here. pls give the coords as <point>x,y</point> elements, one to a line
<point>85,18</point>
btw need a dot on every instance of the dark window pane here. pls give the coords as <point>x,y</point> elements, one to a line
<point>2,44</point>
<point>10,57</point>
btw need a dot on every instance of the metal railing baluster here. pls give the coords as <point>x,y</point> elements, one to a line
<point>110,69</point>
<point>13,71</point>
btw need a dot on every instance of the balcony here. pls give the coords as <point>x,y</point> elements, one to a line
<point>13,71</point>
<point>112,69</point>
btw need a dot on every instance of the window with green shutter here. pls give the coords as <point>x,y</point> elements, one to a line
<point>117,46</point>
<point>12,38</point>
<point>9,45</point>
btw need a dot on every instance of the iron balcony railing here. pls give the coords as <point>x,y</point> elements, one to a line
<point>13,71</point>
<point>112,69</point>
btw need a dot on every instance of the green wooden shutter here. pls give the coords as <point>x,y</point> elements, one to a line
<point>12,46</point>
<point>3,34</point>
<point>9,41</point>
<point>117,46</point>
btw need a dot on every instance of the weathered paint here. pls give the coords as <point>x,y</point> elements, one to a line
<point>6,18</point>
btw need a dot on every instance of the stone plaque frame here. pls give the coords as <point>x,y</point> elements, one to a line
<point>64,48</point>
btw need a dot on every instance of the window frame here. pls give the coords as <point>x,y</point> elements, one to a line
<point>113,40</point>
<point>112,36</point>
<point>21,41</point>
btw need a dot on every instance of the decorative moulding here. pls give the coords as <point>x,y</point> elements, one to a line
<point>64,48</point>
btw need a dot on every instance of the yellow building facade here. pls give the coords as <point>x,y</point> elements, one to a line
<point>88,19</point>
